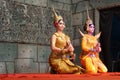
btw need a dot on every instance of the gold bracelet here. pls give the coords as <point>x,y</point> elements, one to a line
<point>62,51</point>
<point>91,49</point>
<point>72,54</point>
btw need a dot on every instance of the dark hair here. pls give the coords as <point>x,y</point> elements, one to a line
<point>56,23</point>
<point>85,27</point>
<point>59,20</point>
<point>90,24</point>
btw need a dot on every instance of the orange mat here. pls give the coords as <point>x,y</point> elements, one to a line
<point>99,76</point>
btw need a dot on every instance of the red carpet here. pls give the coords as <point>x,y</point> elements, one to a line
<point>99,76</point>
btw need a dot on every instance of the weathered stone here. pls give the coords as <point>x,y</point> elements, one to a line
<point>43,53</point>
<point>8,51</point>
<point>44,67</point>
<point>2,68</point>
<point>76,42</point>
<point>10,67</point>
<point>76,1</point>
<point>26,66</point>
<point>27,51</point>
<point>104,3</point>
<point>77,19</point>
<point>20,1</point>
<point>40,2</point>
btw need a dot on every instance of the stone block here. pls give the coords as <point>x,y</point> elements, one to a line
<point>59,5</point>
<point>82,6</point>
<point>76,42</point>
<point>44,67</point>
<point>27,51</point>
<point>67,7</point>
<point>28,1</point>
<point>76,34</point>
<point>8,51</point>
<point>76,1</point>
<point>43,53</point>
<point>26,66</point>
<point>20,1</point>
<point>39,2</point>
<point>104,3</point>
<point>73,8</point>
<point>63,1</point>
<point>2,68</point>
<point>77,19</point>
<point>10,67</point>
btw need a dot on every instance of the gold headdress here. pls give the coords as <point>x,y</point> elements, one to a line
<point>56,17</point>
<point>88,20</point>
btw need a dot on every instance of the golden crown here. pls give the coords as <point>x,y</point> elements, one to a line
<point>56,17</point>
<point>88,20</point>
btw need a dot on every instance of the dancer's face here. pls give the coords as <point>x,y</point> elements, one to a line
<point>90,28</point>
<point>61,25</point>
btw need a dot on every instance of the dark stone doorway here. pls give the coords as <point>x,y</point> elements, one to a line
<point>110,37</point>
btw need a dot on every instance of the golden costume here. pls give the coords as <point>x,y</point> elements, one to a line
<point>90,60</point>
<point>89,56</point>
<point>59,62</point>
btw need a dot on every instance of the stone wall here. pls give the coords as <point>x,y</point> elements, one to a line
<point>25,30</point>
<point>26,27</point>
